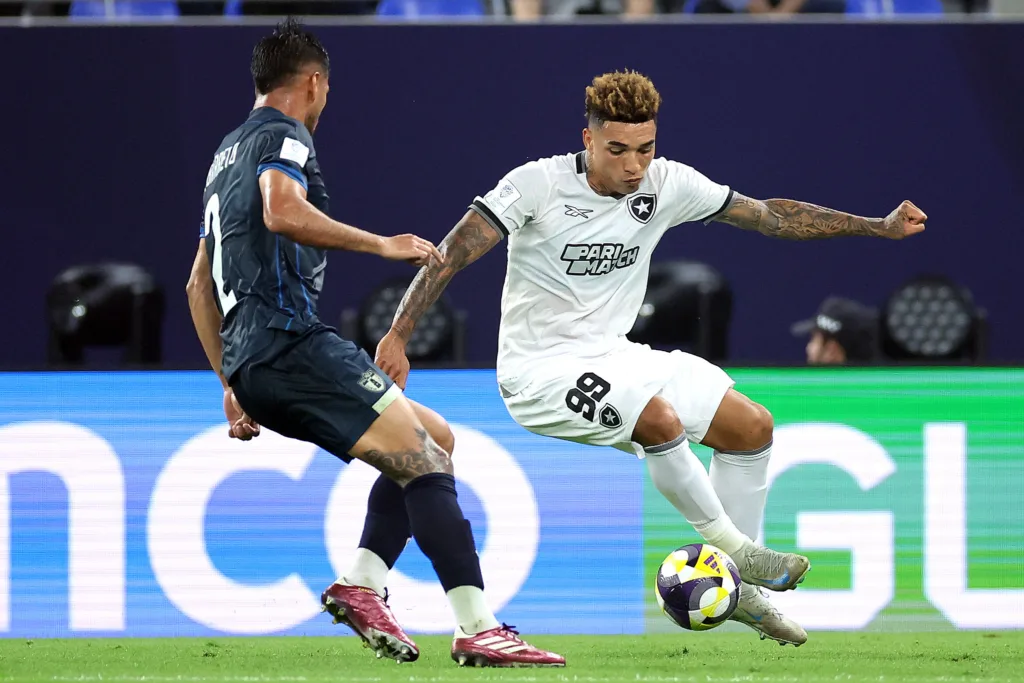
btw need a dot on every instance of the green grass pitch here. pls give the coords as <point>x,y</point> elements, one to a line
<point>706,657</point>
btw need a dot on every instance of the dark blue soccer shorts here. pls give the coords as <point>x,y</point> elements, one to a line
<point>319,388</point>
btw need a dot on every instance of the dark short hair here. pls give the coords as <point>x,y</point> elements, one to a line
<point>281,55</point>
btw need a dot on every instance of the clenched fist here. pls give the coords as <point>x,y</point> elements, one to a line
<point>905,221</point>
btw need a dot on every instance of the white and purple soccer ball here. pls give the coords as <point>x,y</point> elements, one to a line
<point>698,586</point>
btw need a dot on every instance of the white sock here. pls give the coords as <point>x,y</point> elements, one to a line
<point>679,475</point>
<point>472,613</point>
<point>368,571</point>
<point>740,479</point>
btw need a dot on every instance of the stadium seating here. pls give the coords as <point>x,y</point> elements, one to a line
<point>867,8</point>
<point>892,7</point>
<point>143,9</point>
<point>412,9</point>
<point>124,9</point>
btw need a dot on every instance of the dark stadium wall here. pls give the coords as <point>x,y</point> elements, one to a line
<point>110,132</point>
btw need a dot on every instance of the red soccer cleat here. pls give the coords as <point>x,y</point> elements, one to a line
<point>501,646</point>
<point>362,610</point>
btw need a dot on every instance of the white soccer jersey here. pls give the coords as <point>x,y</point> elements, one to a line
<point>579,262</point>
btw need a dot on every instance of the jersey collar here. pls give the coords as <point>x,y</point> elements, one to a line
<point>581,162</point>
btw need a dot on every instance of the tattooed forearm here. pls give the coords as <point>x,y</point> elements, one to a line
<point>469,240</point>
<point>794,220</point>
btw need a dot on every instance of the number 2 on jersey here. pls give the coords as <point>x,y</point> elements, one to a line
<point>224,294</point>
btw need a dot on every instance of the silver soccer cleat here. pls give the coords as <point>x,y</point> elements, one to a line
<point>771,569</point>
<point>757,612</point>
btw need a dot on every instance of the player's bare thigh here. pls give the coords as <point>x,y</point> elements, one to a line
<point>399,445</point>
<point>739,424</point>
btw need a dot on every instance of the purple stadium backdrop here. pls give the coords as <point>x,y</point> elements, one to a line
<point>110,132</point>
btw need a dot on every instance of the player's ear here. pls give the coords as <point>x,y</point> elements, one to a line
<point>314,87</point>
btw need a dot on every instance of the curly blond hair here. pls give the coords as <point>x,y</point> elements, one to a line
<point>624,97</point>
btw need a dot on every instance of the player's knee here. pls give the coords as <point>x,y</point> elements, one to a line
<point>446,439</point>
<point>658,424</point>
<point>430,459</point>
<point>761,425</point>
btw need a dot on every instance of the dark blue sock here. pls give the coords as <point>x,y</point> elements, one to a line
<point>441,530</point>
<point>386,529</point>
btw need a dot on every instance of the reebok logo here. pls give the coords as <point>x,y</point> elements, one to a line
<point>573,212</point>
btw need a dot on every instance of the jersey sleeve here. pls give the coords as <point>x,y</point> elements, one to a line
<point>515,200</point>
<point>690,196</point>
<point>282,148</point>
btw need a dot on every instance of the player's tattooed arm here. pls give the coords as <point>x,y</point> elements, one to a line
<point>789,219</point>
<point>470,239</point>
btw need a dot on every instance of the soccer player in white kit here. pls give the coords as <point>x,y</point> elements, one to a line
<point>581,230</point>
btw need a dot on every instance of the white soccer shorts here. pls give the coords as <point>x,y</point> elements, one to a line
<point>598,402</point>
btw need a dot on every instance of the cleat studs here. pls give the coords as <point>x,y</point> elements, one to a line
<point>462,660</point>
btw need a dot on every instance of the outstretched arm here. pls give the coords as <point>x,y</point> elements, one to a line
<point>795,220</point>
<point>470,239</point>
<point>287,212</point>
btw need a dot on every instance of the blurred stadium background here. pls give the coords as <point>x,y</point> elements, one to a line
<point>898,468</point>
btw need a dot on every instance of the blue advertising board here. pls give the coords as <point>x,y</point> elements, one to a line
<point>126,510</point>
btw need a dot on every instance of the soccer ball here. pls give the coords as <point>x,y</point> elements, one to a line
<point>698,586</point>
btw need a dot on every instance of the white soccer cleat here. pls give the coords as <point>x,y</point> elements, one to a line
<point>769,568</point>
<point>757,612</point>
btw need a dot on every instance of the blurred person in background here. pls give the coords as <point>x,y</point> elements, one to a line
<point>308,8</point>
<point>843,331</point>
<point>774,7</point>
<point>526,10</point>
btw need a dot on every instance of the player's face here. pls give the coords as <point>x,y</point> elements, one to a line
<point>619,154</point>
<point>822,350</point>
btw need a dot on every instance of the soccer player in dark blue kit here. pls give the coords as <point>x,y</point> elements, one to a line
<point>253,294</point>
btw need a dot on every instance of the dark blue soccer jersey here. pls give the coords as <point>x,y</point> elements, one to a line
<point>263,281</point>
